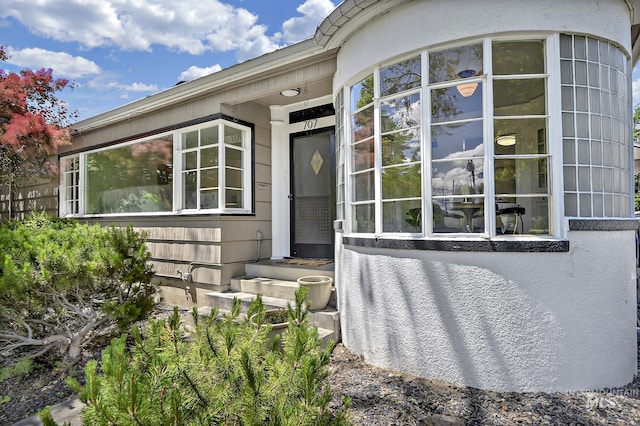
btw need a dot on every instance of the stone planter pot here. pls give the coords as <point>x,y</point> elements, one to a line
<point>319,290</point>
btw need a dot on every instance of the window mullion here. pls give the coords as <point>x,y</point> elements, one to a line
<point>221,168</point>
<point>377,144</point>
<point>489,173</point>
<point>427,203</point>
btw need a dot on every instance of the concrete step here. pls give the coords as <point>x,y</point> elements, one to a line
<point>276,271</point>
<point>328,318</point>
<point>268,287</point>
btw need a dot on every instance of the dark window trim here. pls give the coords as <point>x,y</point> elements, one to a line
<point>558,246</point>
<point>603,224</point>
<point>165,129</point>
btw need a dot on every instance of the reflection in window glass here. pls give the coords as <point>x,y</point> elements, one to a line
<point>402,216</point>
<point>364,218</point>
<point>400,77</point>
<point>522,215</point>
<point>401,113</point>
<point>458,177</point>
<point>364,186</point>
<point>454,64</point>
<point>363,155</point>
<point>132,178</point>
<point>522,175</point>
<point>400,147</point>
<point>458,215</point>
<point>448,104</point>
<point>401,182</point>
<point>362,93</point>
<point>457,140</point>
<point>518,57</point>
<point>362,124</point>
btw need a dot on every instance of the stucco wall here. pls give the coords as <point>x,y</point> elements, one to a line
<point>503,321</point>
<point>426,23</point>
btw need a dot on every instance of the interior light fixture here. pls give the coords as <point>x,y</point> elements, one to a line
<point>467,89</point>
<point>289,93</point>
<point>506,140</point>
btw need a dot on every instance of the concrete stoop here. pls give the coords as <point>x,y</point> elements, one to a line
<point>327,320</point>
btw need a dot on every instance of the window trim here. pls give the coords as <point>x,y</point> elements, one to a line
<point>176,131</point>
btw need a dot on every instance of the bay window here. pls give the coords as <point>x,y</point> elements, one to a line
<point>475,158</point>
<point>200,168</point>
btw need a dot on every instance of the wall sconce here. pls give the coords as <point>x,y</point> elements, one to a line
<point>467,89</point>
<point>506,140</point>
<point>290,93</point>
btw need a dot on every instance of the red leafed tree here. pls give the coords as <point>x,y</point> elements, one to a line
<point>33,124</point>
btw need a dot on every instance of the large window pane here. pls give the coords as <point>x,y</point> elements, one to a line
<point>520,136</point>
<point>402,216</point>
<point>400,147</point>
<point>457,140</point>
<point>518,57</point>
<point>465,215</point>
<point>362,124</point>
<point>455,64</point>
<point>401,182</point>
<point>363,186</point>
<point>364,218</point>
<point>363,155</point>
<point>132,178</point>
<point>522,175</point>
<point>209,136</point>
<point>232,136</point>
<point>449,104</point>
<point>522,215</point>
<point>519,97</point>
<point>399,77</point>
<point>401,113</point>
<point>362,93</point>
<point>459,177</point>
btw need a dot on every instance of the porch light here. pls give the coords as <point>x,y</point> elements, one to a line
<point>289,93</point>
<point>506,140</point>
<point>467,89</point>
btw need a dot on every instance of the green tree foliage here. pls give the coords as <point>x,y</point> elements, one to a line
<point>61,281</point>
<point>227,371</point>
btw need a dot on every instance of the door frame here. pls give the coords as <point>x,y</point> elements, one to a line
<point>331,130</point>
<point>280,169</point>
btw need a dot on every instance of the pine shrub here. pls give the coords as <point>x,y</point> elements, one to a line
<point>226,371</point>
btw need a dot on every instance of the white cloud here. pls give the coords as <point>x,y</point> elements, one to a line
<point>98,84</point>
<point>196,72</point>
<point>206,25</point>
<point>302,27</point>
<point>63,64</point>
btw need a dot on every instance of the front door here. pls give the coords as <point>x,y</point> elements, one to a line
<point>313,193</point>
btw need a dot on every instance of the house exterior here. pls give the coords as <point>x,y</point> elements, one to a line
<point>468,165</point>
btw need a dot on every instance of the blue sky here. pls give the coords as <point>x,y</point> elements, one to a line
<point>117,51</point>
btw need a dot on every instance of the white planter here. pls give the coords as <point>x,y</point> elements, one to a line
<point>319,290</point>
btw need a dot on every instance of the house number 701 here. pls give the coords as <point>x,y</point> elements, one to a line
<point>310,124</point>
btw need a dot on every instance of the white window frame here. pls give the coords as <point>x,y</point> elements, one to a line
<point>177,207</point>
<point>554,149</point>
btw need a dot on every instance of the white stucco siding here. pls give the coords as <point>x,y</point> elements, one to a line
<point>422,24</point>
<point>503,321</point>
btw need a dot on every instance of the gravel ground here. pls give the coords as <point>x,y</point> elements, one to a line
<point>384,397</point>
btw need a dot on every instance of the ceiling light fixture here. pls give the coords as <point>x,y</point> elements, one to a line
<point>506,140</point>
<point>467,89</point>
<point>289,93</point>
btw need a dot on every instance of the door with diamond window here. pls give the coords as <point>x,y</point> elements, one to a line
<point>313,201</point>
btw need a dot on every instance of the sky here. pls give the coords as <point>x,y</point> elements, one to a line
<point>118,51</point>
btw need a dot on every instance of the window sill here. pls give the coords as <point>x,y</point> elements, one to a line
<point>470,245</point>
